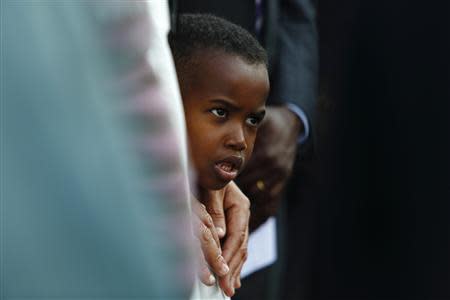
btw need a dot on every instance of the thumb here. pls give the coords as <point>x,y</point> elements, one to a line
<point>214,206</point>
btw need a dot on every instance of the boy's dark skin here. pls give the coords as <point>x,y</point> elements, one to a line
<point>224,101</point>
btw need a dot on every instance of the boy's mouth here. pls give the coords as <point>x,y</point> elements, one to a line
<point>228,168</point>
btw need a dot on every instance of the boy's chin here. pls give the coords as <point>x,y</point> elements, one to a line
<point>213,186</point>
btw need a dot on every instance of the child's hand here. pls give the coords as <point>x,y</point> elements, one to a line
<point>230,210</point>
<point>211,257</point>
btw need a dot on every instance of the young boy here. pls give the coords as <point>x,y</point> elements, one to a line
<point>222,72</point>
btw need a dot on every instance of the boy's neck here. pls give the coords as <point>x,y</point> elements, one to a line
<point>204,195</point>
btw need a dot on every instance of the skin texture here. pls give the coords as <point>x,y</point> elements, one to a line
<point>230,210</point>
<point>272,162</point>
<point>224,102</point>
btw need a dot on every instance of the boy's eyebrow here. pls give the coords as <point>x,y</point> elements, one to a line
<point>261,113</point>
<point>228,104</point>
<point>231,106</point>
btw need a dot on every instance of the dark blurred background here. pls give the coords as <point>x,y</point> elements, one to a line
<point>376,220</point>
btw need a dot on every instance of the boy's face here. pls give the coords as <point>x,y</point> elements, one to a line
<point>224,102</point>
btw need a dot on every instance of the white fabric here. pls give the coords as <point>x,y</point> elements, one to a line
<point>203,292</point>
<point>160,58</point>
<point>262,248</point>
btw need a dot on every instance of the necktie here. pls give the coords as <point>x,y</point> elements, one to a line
<point>259,18</point>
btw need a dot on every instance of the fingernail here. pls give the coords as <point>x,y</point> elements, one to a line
<point>230,294</point>
<point>212,279</point>
<point>225,269</point>
<point>221,259</point>
<point>220,231</point>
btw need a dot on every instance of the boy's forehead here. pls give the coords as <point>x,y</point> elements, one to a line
<point>221,75</point>
<point>210,52</point>
<point>215,56</point>
<point>206,58</point>
<point>213,61</point>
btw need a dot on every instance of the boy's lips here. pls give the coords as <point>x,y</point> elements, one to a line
<point>227,169</point>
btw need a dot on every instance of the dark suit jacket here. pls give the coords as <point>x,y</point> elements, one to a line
<point>383,228</point>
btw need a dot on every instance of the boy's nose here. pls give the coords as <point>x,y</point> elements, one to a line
<point>236,139</point>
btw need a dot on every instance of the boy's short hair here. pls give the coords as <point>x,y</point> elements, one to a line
<point>200,32</point>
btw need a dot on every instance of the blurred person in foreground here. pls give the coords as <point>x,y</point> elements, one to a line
<point>79,219</point>
<point>90,112</point>
<point>224,84</point>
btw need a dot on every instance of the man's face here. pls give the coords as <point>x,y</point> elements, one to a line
<point>224,102</point>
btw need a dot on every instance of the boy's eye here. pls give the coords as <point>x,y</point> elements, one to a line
<point>219,112</point>
<point>253,121</point>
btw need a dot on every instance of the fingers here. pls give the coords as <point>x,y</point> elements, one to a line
<point>205,219</point>
<point>211,251</point>
<point>236,264</point>
<point>237,282</point>
<point>237,275</point>
<point>214,206</point>
<point>205,232</point>
<point>268,180</point>
<point>228,282</point>
<point>256,168</point>
<point>226,286</point>
<point>238,220</point>
<point>237,213</point>
<point>264,170</point>
<point>249,178</point>
<point>205,274</point>
<point>277,188</point>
